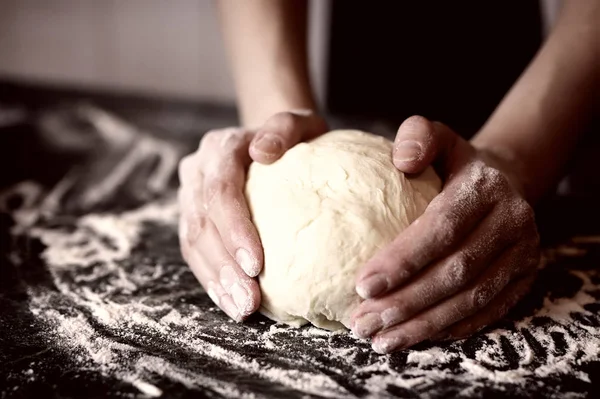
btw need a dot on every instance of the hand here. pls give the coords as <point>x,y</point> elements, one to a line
<point>217,237</point>
<point>463,263</point>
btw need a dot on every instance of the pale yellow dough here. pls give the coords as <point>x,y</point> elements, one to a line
<point>322,211</point>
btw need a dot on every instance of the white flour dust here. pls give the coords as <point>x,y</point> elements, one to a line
<point>124,325</point>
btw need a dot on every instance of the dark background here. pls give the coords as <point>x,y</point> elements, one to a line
<point>451,61</point>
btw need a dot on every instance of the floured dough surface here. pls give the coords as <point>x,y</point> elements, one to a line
<point>322,211</point>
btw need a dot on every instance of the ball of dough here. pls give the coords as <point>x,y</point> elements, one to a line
<point>322,211</point>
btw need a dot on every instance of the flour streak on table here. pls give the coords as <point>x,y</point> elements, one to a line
<point>119,300</point>
<point>95,299</point>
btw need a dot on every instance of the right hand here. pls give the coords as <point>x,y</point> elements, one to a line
<point>217,237</point>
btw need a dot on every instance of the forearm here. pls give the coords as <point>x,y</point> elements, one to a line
<point>266,43</point>
<point>537,125</point>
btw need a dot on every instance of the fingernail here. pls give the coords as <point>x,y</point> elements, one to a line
<point>367,324</point>
<point>248,264</point>
<point>407,151</point>
<point>387,345</point>
<point>241,298</point>
<point>269,144</point>
<point>372,286</point>
<point>229,307</point>
<point>212,293</point>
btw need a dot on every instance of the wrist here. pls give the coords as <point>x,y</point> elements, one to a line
<point>507,161</point>
<point>255,115</point>
<point>278,89</point>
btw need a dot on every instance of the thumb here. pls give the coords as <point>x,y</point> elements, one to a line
<point>419,142</point>
<point>282,131</point>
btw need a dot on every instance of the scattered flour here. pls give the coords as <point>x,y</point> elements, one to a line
<point>96,246</point>
<point>146,388</point>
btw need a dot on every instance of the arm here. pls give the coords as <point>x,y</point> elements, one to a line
<point>267,46</point>
<point>537,125</point>
<point>475,250</point>
<point>266,42</point>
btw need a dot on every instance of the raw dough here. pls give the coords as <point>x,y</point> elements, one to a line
<point>322,211</point>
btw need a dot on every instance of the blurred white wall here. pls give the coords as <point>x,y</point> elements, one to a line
<point>171,47</point>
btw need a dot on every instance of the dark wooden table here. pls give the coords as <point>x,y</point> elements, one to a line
<point>95,300</point>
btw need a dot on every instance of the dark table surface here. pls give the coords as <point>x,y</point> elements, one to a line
<point>95,300</point>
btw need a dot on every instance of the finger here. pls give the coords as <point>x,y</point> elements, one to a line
<point>416,145</point>
<point>222,160</point>
<point>224,169</point>
<point>236,293</point>
<point>494,311</point>
<point>452,151</point>
<point>284,130</point>
<point>419,142</point>
<point>209,280</point>
<point>464,201</point>
<point>466,303</point>
<point>231,217</point>
<point>191,225</point>
<point>439,281</point>
<point>231,289</point>
<point>207,276</point>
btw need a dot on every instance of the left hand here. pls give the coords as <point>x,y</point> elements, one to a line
<point>463,263</point>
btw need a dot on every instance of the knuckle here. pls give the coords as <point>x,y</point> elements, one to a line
<point>224,168</point>
<point>523,216</point>
<point>408,267</point>
<point>442,236</point>
<point>196,226</point>
<point>495,179</point>
<point>458,270</point>
<point>283,121</point>
<point>478,174</point>
<point>230,138</point>
<point>524,209</point>
<point>490,183</point>
<point>222,187</point>
<point>445,226</point>
<point>425,326</point>
<point>218,188</point>
<point>395,314</point>
<point>480,296</point>
<point>210,138</point>
<point>186,166</point>
<point>222,138</point>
